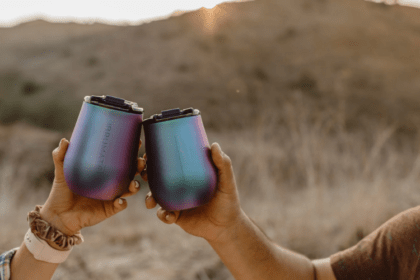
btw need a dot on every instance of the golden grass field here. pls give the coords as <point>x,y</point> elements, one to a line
<point>316,103</point>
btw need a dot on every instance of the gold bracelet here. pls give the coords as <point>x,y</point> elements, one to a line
<point>45,231</point>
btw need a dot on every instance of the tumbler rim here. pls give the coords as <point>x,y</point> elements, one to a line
<point>157,118</point>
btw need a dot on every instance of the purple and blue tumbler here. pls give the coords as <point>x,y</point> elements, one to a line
<point>101,159</point>
<point>180,169</point>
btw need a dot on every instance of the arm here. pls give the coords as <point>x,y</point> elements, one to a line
<point>25,266</point>
<point>249,254</point>
<point>241,245</point>
<point>69,213</point>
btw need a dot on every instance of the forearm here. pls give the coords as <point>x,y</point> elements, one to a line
<point>249,254</point>
<point>25,266</point>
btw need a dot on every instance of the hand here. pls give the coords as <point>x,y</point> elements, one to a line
<point>212,220</point>
<point>69,212</point>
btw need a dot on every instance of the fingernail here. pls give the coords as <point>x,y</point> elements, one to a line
<point>120,201</point>
<point>61,141</point>
<point>168,217</point>
<point>137,185</point>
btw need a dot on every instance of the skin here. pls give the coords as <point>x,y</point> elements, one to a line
<point>242,246</point>
<point>69,213</point>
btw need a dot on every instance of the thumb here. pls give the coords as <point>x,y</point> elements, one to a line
<point>58,158</point>
<point>59,152</point>
<point>225,170</point>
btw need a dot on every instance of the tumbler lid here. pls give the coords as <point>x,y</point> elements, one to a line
<point>172,114</point>
<point>114,103</point>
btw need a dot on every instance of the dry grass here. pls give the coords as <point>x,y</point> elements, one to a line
<point>314,184</point>
<point>311,183</point>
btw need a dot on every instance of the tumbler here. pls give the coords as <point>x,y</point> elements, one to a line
<point>180,169</point>
<point>101,159</point>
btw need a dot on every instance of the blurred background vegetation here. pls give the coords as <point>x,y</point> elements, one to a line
<point>316,102</point>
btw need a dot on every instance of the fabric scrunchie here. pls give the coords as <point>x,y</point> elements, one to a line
<point>45,231</point>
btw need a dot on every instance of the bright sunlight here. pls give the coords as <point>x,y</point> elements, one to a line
<point>121,12</point>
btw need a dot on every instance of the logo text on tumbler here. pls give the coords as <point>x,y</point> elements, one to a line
<point>104,147</point>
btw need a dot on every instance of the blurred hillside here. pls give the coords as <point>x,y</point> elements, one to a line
<point>315,101</point>
<point>228,62</point>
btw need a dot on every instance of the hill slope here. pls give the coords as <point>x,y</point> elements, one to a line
<point>229,62</point>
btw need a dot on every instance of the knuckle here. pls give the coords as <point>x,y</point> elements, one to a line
<point>141,161</point>
<point>227,160</point>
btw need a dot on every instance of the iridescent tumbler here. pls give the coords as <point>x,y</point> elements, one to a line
<point>180,169</point>
<point>101,159</point>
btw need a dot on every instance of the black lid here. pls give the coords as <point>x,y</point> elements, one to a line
<point>172,114</point>
<point>114,103</point>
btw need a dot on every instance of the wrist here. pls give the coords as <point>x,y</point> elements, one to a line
<point>51,228</point>
<point>230,232</point>
<point>57,221</point>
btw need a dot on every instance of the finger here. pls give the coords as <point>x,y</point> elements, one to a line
<point>217,156</point>
<point>150,201</point>
<point>168,217</point>
<point>224,166</point>
<point>141,164</point>
<point>118,205</point>
<point>138,159</point>
<point>132,189</point>
<point>172,216</point>
<point>59,152</point>
<point>143,175</point>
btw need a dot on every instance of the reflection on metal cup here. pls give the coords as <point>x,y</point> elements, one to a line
<point>101,158</point>
<point>180,169</point>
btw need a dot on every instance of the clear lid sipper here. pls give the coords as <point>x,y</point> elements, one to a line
<point>114,103</point>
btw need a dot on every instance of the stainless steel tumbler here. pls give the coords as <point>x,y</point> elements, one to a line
<point>180,169</point>
<point>101,159</point>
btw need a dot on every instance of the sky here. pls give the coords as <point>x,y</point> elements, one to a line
<point>133,12</point>
<point>412,3</point>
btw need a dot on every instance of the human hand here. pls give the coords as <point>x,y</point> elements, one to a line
<point>70,212</point>
<point>212,220</point>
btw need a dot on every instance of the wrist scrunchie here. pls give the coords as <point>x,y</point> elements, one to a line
<point>45,231</point>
